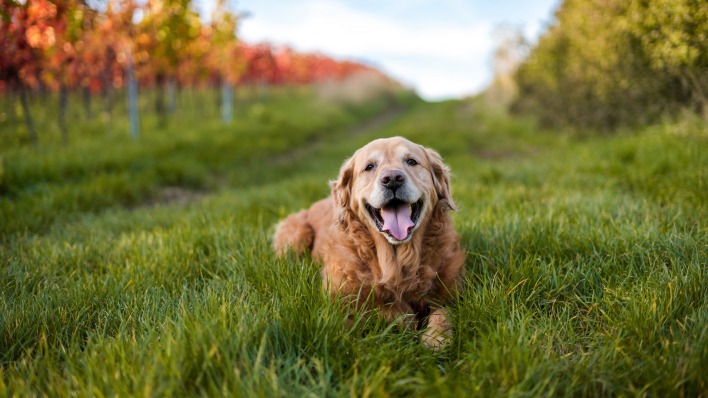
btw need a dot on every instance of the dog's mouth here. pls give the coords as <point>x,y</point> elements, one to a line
<point>397,218</point>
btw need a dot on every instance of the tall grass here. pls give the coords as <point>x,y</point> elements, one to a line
<point>586,262</point>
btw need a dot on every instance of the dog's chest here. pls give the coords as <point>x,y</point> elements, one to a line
<point>403,282</point>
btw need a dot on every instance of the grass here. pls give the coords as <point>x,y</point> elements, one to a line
<point>586,261</point>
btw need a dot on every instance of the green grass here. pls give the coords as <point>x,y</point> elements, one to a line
<point>586,261</point>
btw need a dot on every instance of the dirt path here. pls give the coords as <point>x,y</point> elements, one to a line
<point>313,145</point>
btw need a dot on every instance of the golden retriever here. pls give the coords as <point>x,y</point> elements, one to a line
<point>385,236</point>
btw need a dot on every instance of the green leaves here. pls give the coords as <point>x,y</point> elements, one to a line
<point>605,64</point>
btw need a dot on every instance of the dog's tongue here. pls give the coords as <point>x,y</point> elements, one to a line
<point>397,220</point>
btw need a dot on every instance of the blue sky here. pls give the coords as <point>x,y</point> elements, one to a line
<point>440,48</point>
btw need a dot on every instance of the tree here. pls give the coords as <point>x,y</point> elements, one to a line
<point>674,36</point>
<point>65,67</point>
<point>167,29</point>
<point>608,63</point>
<point>510,52</point>
<point>112,45</point>
<point>222,56</point>
<point>25,31</point>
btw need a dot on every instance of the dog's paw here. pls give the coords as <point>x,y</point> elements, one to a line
<point>439,330</point>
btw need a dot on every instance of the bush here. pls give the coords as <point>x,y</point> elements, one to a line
<point>609,63</point>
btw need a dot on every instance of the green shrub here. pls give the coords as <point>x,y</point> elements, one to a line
<point>610,63</point>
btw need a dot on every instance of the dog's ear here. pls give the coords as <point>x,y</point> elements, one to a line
<point>342,188</point>
<point>441,178</point>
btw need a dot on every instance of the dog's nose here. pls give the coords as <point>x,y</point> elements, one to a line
<point>393,179</point>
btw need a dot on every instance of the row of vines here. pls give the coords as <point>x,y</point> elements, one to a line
<point>98,48</point>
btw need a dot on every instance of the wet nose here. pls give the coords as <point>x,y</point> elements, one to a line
<point>393,179</point>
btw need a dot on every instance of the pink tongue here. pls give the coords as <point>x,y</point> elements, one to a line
<point>397,221</point>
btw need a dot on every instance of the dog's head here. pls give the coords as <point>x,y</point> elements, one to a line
<point>392,185</point>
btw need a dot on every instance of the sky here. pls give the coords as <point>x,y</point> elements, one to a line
<point>441,48</point>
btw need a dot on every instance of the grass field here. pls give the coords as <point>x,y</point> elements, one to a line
<point>143,268</point>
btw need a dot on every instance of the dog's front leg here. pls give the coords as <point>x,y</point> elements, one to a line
<point>401,314</point>
<point>438,331</point>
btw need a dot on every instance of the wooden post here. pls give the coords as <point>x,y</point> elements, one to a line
<point>227,102</point>
<point>133,100</point>
<point>63,102</point>
<point>26,113</point>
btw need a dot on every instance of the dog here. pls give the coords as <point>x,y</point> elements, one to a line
<point>385,235</point>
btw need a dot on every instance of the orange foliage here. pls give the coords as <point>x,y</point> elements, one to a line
<point>68,42</point>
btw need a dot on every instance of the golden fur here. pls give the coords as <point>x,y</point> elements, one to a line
<point>409,279</point>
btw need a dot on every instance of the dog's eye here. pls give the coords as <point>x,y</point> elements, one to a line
<point>411,162</point>
<point>369,167</point>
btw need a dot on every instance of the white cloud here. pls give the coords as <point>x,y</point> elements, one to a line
<point>439,60</point>
<point>442,48</point>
